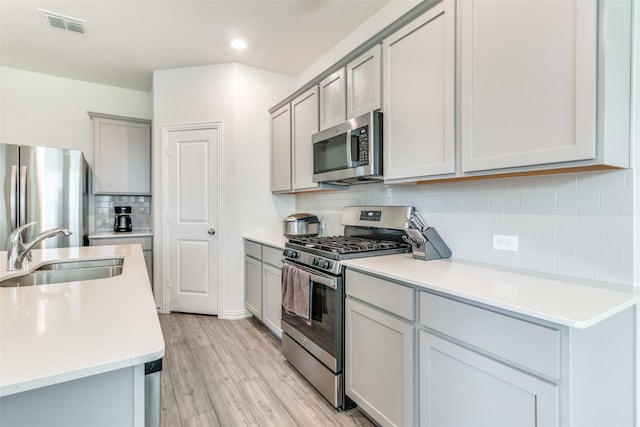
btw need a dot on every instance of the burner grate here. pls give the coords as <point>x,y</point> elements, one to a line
<point>346,245</point>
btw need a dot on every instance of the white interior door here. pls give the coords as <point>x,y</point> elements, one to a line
<point>192,217</point>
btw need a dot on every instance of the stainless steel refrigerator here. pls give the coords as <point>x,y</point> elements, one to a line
<point>47,185</point>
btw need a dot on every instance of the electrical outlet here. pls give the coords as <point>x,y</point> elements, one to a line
<point>505,243</point>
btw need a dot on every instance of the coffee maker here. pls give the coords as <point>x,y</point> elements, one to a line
<point>122,221</point>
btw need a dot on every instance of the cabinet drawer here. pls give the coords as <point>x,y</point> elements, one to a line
<point>523,343</point>
<point>272,256</point>
<point>389,296</point>
<point>145,242</point>
<point>253,249</point>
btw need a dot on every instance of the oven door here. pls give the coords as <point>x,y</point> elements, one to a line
<point>323,336</point>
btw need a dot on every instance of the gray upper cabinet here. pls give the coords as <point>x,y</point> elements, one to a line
<point>333,93</point>
<point>364,83</point>
<point>531,98</point>
<point>122,155</point>
<point>474,88</point>
<point>352,90</point>
<point>419,97</point>
<point>304,124</point>
<point>281,149</point>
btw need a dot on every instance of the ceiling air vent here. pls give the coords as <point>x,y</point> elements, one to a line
<point>64,22</point>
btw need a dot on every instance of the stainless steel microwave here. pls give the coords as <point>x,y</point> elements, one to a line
<point>349,153</point>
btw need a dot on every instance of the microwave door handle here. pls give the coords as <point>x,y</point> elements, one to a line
<point>349,150</point>
<point>13,197</point>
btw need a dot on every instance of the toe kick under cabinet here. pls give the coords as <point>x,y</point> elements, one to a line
<point>262,280</point>
<point>461,363</point>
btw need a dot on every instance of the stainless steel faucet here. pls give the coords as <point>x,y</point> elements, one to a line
<point>17,250</point>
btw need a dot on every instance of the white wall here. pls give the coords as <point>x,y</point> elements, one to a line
<point>39,109</point>
<point>50,111</point>
<point>238,97</point>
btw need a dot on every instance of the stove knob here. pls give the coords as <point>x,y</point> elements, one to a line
<point>327,264</point>
<point>324,263</point>
<point>315,262</point>
<point>290,253</point>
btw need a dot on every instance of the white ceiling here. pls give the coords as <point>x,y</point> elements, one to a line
<point>126,40</point>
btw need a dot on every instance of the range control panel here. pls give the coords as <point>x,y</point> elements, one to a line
<point>370,215</point>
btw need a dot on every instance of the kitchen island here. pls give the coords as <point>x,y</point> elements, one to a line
<point>79,348</point>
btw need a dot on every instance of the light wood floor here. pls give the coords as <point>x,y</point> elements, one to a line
<point>232,373</point>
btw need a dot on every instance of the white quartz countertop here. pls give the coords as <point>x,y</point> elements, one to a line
<point>277,240</point>
<point>59,332</point>
<point>567,302</point>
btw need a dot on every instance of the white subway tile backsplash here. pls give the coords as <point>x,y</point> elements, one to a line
<point>578,199</point>
<point>557,216</point>
<point>569,224</point>
<point>504,201</point>
<point>615,197</point>
<point>577,268</point>
<point>476,201</point>
<point>104,213</point>
<point>608,180</point>
<point>562,182</point>
<point>605,216</point>
<point>533,200</point>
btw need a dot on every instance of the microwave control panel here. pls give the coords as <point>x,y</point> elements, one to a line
<point>360,141</point>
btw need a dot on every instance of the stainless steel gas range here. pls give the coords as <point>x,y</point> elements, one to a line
<point>314,345</point>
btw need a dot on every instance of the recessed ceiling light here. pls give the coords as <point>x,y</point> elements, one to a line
<point>238,44</point>
<point>64,22</point>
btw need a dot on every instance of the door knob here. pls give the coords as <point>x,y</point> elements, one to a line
<point>211,231</point>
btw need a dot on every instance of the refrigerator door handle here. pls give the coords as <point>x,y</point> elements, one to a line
<point>23,195</point>
<point>13,198</point>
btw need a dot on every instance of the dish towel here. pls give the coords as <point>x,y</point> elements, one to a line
<point>296,292</point>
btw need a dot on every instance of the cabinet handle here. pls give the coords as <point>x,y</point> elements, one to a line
<point>211,231</point>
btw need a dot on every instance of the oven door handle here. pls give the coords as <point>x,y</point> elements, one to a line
<point>328,281</point>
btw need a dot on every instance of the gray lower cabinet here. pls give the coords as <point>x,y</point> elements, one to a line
<point>262,284</point>
<point>253,285</point>
<point>379,348</point>
<point>146,242</point>
<point>414,357</point>
<point>272,297</point>
<point>459,387</point>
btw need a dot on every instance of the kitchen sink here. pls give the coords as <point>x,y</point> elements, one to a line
<point>67,271</point>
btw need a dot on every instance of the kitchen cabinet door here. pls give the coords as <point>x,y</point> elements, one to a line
<point>528,82</point>
<point>281,149</point>
<point>364,83</point>
<point>122,155</point>
<point>379,363</point>
<point>419,97</point>
<point>333,94</point>
<point>459,387</point>
<point>253,286</point>
<point>304,118</point>
<point>272,307</point>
